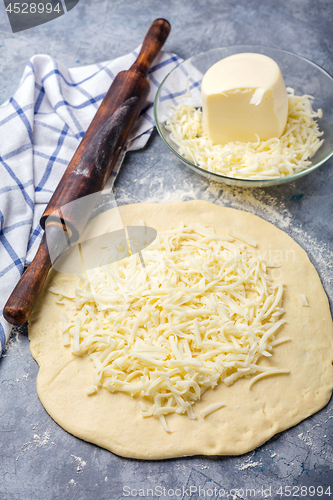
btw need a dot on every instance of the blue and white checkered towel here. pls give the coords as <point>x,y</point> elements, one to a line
<point>40,129</point>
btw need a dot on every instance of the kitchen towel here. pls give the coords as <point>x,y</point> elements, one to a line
<point>40,129</point>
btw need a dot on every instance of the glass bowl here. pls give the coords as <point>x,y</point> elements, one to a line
<point>302,75</point>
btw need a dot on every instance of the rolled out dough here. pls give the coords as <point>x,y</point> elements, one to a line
<point>249,417</point>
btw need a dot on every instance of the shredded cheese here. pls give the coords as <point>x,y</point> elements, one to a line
<point>91,390</point>
<point>276,157</point>
<point>244,239</point>
<point>210,409</point>
<point>304,300</point>
<point>202,311</point>
<point>267,374</point>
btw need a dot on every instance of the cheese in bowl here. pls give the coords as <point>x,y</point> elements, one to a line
<point>242,117</point>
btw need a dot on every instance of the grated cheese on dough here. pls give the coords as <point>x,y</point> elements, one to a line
<point>276,157</point>
<point>210,409</point>
<point>304,300</point>
<point>243,238</point>
<point>202,311</point>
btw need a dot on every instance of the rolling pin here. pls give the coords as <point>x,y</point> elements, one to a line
<point>89,169</point>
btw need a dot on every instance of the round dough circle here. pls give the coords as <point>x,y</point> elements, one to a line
<point>250,417</point>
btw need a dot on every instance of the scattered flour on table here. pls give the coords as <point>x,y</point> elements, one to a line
<point>265,205</point>
<point>81,463</point>
<point>38,440</point>
<point>249,464</point>
<point>315,439</point>
<point>221,194</point>
<point>42,440</point>
<point>181,468</point>
<point>157,194</point>
<point>328,412</point>
<point>306,438</point>
<point>202,466</point>
<point>321,251</point>
<point>13,345</point>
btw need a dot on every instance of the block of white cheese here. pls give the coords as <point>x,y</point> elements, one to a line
<point>244,95</point>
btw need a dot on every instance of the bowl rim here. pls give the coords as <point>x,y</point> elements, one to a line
<point>240,180</point>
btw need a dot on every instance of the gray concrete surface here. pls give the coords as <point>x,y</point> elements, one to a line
<point>38,459</point>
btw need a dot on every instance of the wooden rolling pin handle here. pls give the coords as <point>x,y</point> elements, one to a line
<point>152,44</point>
<point>23,298</point>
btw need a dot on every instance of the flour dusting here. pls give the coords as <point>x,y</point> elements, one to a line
<point>42,440</point>
<point>249,463</point>
<point>81,464</point>
<point>221,194</point>
<point>240,198</point>
<point>306,438</point>
<point>38,440</point>
<point>157,194</point>
<point>14,344</point>
<point>321,251</point>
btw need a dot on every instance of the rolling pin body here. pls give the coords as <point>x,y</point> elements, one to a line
<point>89,168</point>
